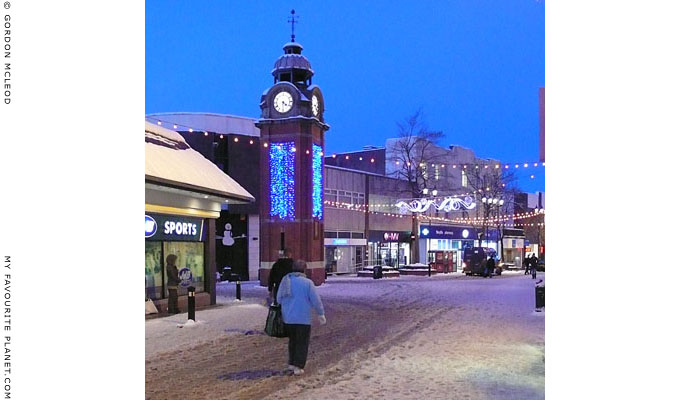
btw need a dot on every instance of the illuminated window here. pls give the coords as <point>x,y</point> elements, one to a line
<point>464,178</point>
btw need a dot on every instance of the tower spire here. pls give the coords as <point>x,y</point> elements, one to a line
<point>293,20</point>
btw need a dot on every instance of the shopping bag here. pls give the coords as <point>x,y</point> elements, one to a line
<point>150,307</point>
<point>274,322</point>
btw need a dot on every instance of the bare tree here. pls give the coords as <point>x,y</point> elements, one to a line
<point>413,154</point>
<point>495,192</point>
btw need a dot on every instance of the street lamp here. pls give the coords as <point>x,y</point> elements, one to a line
<point>434,192</point>
<point>425,191</point>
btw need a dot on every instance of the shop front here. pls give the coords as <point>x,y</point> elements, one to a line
<point>389,248</point>
<point>184,237</point>
<point>514,243</point>
<point>440,238</point>
<point>344,255</point>
<point>184,194</point>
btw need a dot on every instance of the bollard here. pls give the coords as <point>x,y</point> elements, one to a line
<point>238,291</point>
<point>191,303</point>
<point>429,269</point>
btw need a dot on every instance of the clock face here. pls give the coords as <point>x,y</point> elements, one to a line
<point>315,106</point>
<point>282,102</point>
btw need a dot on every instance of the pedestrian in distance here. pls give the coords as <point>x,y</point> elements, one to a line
<point>279,269</point>
<point>534,263</point>
<point>297,297</point>
<point>528,264</point>
<point>491,266</point>
<point>173,282</point>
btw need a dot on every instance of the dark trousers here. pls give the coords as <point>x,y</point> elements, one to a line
<point>298,346</point>
<point>172,301</point>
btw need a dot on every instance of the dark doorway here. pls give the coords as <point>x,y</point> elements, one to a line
<point>235,256</point>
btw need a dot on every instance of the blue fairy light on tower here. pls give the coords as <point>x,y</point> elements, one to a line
<point>317,186</point>
<point>282,167</point>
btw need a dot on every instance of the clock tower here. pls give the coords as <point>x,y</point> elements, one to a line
<point>291,163</point>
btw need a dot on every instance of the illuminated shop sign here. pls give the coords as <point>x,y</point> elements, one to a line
<point>344,242</point>
<point>454,232</point>
<point>174,228</point>
<point>151,226</point>
<point>390,236</point>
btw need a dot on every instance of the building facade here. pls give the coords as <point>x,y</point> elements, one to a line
<point>185,193</point>
<point>232,143</point>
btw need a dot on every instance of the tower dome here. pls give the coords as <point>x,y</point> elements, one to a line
<point>292,66</point>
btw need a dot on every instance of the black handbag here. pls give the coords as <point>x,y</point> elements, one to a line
<point>274,322</point>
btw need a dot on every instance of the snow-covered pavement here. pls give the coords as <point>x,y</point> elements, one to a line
<point>444,337</point>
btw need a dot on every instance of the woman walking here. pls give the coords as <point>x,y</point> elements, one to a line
<point>297,296</point>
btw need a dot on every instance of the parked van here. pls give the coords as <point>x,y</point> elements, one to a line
<point>474,260</point>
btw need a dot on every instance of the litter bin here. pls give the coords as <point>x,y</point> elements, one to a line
<point>378,272</point>
<point>540,294</point>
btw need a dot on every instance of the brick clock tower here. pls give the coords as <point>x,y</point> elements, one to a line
<point>291,162</point>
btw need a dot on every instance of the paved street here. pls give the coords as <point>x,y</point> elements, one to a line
<point>445,337</point>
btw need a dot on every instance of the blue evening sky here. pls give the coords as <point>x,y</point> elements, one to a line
<point>474,66</point>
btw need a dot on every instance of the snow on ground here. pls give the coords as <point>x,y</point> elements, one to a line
<point>440,337</point>
<point>229,318</point>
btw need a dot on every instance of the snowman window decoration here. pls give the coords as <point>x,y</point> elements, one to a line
<point>228,239</point>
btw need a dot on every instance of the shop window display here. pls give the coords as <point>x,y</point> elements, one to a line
<point>189,255</point>
<point>154,270</point>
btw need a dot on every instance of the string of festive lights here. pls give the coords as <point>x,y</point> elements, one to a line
<point>252,140</point>
<point>501,218</point>
<point>484,164</point>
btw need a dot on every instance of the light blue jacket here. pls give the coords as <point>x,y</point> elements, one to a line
<point>297,296</point>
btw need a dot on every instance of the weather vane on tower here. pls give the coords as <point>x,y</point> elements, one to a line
<point>293,20</point>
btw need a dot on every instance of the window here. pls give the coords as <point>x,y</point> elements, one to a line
<point>154,270</point>
<point>330,195</point>
<point>436,172</point>
<point>358,235</point>
<point>358,198</point>
<point>464,178</point>
<point>189,255</point>
<point>344,235</point>
<point>344,197</point>
<point>328,234</point>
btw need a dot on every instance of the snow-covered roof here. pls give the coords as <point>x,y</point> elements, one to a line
<point>211,122</point>
<point>170,160</point>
